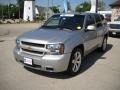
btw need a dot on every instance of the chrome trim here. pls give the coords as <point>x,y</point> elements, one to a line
<point>32,48</point>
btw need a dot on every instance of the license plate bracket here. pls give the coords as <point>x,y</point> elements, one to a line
<point>28,61</point>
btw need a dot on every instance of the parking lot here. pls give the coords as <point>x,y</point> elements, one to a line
<point>100,71</point>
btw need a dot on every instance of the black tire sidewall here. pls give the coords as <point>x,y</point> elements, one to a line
<point>103,45</point>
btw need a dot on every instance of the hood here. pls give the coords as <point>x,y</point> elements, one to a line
<point>114,22</point>
<point>48,35</point>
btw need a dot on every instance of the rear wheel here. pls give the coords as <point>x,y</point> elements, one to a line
<point>104,45</point>
<point>75,62</point>
<point>110,34</point>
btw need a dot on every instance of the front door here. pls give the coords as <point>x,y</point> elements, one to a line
<point>90,37</point>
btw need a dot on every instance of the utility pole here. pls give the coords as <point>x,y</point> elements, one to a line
<point>19,11</point>
<point>47,9</point>
<point>96,6</point>
<point>8,11</point>
<point>52,3</point>
<point>52,6</point>
<point>11,10</point>
<point>2,12</point>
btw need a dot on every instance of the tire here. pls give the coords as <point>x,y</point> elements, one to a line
<point>104,45</point>
<point>110,34</point>
<point>118,34</point>
<point>75,62</point>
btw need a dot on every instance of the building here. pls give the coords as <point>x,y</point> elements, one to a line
<point>115,10</point>
<point>29,10</point>
<point>43,11</point>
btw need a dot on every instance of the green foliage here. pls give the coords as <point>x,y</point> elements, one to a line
<point>87,5</point>
<point>83,7</point>
<point>20,4</point>
<point>41,18</point>
<point>55,9</point>
<point>101,5</point>
<point>7,11</point>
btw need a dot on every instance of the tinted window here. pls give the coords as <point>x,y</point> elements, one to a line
<point>53,21</point>
<point>72,23</point>
<point>98,20</point>
<point>102,17</point>
<point>90,20</point>
<point>103,20</point>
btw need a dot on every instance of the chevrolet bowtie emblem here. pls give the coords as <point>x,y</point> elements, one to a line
<point>29,48</point>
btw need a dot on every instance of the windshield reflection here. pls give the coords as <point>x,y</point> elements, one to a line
<point>68,22</point>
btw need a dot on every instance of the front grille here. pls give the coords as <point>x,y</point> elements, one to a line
<point>33,44</point>
<point>36,52</point>
<point>115,26</point>
<point>32,48</point>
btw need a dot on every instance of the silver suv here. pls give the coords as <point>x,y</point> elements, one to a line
<point>62,42</point>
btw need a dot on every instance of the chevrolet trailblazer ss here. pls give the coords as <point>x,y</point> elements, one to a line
<point>62,42</point>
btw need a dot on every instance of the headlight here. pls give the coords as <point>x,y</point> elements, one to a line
<point>55,49</point>
<point>17,43</point>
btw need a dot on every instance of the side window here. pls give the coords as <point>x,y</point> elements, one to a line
<point>98,20</point>
<point>90,20</point>
<point>103,19</point>
<point>53,21</point>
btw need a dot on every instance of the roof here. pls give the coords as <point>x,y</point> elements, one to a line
<point>117,3</point>
<point>74,13</point>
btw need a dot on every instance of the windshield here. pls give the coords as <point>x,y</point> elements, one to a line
<point>72,22</point>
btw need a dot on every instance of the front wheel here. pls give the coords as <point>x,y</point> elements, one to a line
<point>75,62</point>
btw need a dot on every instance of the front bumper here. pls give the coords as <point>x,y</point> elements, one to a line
<point>49,63</point>
<point>114,30</point>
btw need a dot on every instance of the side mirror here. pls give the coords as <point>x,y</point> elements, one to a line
<point>91,28</point>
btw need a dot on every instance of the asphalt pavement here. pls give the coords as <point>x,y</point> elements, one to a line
<point>100,71</point>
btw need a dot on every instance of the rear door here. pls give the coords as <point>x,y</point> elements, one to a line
<point>100,28</point>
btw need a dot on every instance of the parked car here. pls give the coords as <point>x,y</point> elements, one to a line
<point>114,27</point>
<point>62,42</point>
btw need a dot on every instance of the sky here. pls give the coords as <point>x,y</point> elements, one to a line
<point>74,3</point>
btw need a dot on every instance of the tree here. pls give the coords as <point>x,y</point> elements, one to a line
<point>13,10</point>
<point>87,5</point>
<point>20,4</point>
<point>4,11</point>
<point>12,13</point>
<point>101,5</point>
<point>83,7</point>
<point>55,9</point>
